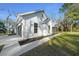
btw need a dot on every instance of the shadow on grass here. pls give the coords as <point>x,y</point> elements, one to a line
<point>69,45</point>
<point>64,45</point>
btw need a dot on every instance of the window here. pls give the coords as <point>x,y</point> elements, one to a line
<point>35,27</point>
<point>42,15</point>
<point>49,28</point>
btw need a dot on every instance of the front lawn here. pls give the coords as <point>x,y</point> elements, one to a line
<point>67,44</point>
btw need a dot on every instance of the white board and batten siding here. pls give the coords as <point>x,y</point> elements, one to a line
<point>27,22</point>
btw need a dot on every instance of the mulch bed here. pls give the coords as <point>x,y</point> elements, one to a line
<point>25,41</point>
<point>1,47</point>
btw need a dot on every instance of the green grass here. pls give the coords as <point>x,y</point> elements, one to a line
<point>67,44</point>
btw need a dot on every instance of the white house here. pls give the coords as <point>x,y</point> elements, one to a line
<point>33,24</point>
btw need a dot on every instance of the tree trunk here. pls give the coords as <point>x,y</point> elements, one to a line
<point>71,27</point>
<point>62,29</point>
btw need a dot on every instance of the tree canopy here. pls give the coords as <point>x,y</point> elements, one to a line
<point>71,14</point>
<point>2,27</point>
<point>1,24</point>
<point>70,10</point>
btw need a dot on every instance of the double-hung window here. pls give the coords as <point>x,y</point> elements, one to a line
<point>35,27</point>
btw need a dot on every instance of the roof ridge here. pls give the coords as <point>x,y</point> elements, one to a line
<point>30,12</point>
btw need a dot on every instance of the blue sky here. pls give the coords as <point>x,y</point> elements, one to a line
<point>51,9</point>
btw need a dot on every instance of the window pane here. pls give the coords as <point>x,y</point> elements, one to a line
<point>35,27</point>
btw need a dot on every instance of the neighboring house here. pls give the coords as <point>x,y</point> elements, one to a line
<point>33,24</point>
<point>54,27</point>
<point>10,25</point>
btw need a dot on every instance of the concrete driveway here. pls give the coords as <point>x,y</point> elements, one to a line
<point>5,39</point>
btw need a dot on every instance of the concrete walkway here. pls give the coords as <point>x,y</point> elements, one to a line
<point>15,49</point>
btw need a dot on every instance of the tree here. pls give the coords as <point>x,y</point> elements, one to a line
<point>65,7</point>
<point>2,27</point>
<point>71,13</point>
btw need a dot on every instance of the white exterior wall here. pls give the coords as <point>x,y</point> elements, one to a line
<point>28,25</point>
<point>50,23</point>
